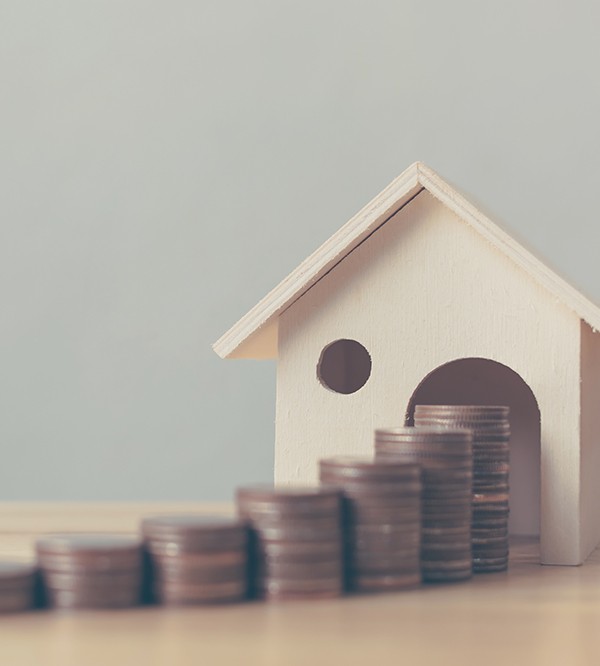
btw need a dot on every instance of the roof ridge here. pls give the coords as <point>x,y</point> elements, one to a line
<point>256,331</point>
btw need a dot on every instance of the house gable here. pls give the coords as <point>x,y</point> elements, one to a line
<point>256,334</point>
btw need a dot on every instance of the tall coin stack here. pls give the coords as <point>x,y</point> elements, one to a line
<point>491,435</point>
<point>382,520</point>
<point>90,570</point>
<point>447,470</point>
<point>17,585</point>
<point>296,534</point>
<point>197,559</point>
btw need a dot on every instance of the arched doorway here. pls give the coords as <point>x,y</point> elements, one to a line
<point>479,381</point>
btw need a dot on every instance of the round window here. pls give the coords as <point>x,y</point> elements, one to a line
<point>344,366</point>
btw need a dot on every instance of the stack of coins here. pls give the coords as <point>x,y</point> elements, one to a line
<point>197,559</point>
<point>382,521</point>
<point>491,435</point>
<point>17,585</point>
<point>90,570</point>
<point>296,541</point>
<point>446,459</point>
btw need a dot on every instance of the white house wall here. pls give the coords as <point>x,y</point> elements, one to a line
<point>590,438</point>
<point>423,290</point>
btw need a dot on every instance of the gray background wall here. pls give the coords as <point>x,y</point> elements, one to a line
<point>164,164</point>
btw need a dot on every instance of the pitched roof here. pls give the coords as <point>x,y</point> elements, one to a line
<point>255,334</point>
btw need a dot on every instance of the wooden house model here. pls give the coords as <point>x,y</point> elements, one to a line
<point>421,299</point>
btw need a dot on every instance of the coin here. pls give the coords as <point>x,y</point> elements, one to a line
<point>197,532</point>
<point>288,500</point>
<point>174,593</point>
<point>386,583</point>
<point>88,552</point>
<point>62,580</point>
<point>80,599</point>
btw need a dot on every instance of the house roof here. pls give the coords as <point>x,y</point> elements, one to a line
<point>255,334</point>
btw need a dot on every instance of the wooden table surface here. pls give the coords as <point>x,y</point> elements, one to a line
<point>530,615</point>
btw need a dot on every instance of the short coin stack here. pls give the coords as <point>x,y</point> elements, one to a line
<point>296,541</point>
<point>447,469</point>
<point>90,570</point>
<point>197,559</point>
<point>491,435</point>
<point>17,585</point>
<point>382,517</point>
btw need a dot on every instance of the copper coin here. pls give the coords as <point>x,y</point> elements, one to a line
<point>199,560</point>
<point>408,521</point>
<point>283,595</point>
<point>288,588</point>
<point>438,523</point>
<point>429,457</point>
<point>368,531</point>
<point>200,575</point>
<point>197,532</point>
<point>484,552</point>
<point>366,552</point>
<point>288,499</point>
<point>384,543</point>
<point>490,533</point>
<point>500,469</point>
<point>385,566</point>
<point>439,492</point>
<point>373,504</point>
<point>16,576</point>
<point>447,478</point>
<point>319,522</point>
<point>386,583</point>
<point>485,498</point>
<point>368,469</point>
<point>88,552</point>
<point>487,541</point>
<point>268,568</point>
<point>447,576</point>
<point>490,487</point>
<point>16,601</point>
<point>302,550</point>
<point>62,580</point>
<point>490,568</point>
<point>295,533</point>
<point>408,433</point>
<point>381,490</point>
<point>446,541</point>
<point>445,558</point>
<point>75,599</point>
<point>489,411</point>
<point>181,594</point>
<point>490,561</point>
<point>433,532</point>
<point>449,504</point>
<point>480,428</point>
<point>490,523</point>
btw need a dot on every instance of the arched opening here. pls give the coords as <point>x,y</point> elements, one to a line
<point>479,381</point>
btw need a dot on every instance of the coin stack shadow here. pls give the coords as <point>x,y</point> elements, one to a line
<point>296,541</point>
<point>17,586</point>
<point>382,521</point>
<point>197,559</point>
<point>491,435</point>
<point>90,570</point>
<point>446,460</point>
